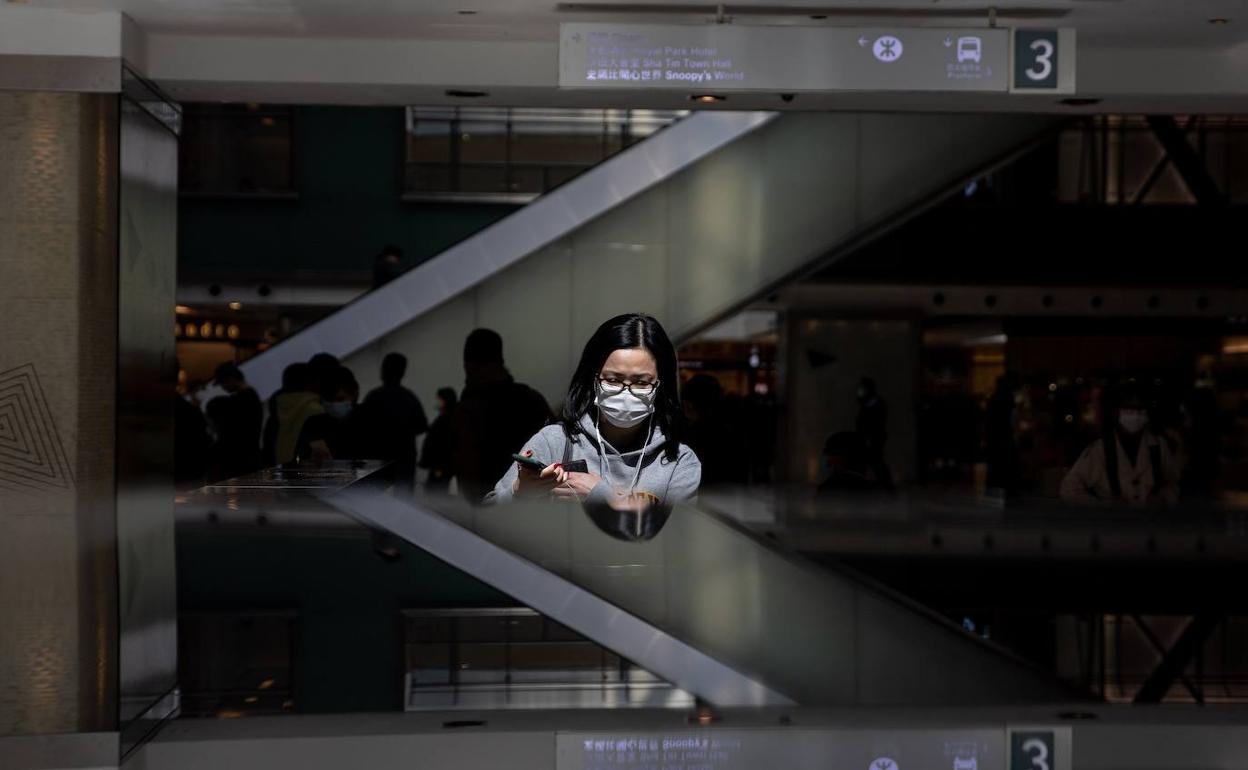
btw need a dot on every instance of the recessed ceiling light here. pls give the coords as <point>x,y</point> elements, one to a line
<point>1075,101</point>
<point>236,306</point>
<point>463,94</point>
<point>1219,20</point>
<point>708,98</point>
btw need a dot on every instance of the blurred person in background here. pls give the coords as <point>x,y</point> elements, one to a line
<point>321,368</point>
<point>290,409</point>
<point>494,417</point>
<point>342,431</point>
<point>191,444</point>
<point>846,459</point>
<point>397,419</point>
<point>1005,463</point>
<point>439,446</point>
<point>1129,464</point>
<point>387,265</point>
<point>872,427</point>
<point>236,420</point>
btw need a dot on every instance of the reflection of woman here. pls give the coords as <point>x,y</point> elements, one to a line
<point>617,443</point>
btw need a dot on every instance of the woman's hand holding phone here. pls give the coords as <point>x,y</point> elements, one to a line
<point>532,482</point>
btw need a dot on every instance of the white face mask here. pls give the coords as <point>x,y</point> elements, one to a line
<point>623,409</point>
<point>1132,420</point>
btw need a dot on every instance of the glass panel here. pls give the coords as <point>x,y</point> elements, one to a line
<point>481,629</point>
<point>429,629</point>
<point>519,151</point>
<point>429,141</point>
<point>482,663</point>
<point>482,141</point>
<point>429,664</point>
<point>235,663</point>
<point>557,137</point>
<point>236,149</point>
<point>483,178</point>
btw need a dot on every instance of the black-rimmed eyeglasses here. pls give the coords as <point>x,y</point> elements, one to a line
<point>612,386</point>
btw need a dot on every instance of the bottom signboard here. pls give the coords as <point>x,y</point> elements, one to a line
<point>798,748</point>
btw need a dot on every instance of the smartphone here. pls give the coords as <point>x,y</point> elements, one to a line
<point>531,462</point>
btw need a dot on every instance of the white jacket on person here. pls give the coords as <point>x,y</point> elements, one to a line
<point>1088,481</point>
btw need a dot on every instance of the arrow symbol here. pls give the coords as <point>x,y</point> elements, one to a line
<point>948,42</point>
<point>862,41</point>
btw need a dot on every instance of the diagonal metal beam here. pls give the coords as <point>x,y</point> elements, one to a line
<point>1186,161</point>
<point>1159,168</point>
<point>1160,647</point>
<point>1176,659</point>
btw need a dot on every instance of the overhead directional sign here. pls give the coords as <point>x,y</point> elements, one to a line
<point>732,58</point>
<point>729,57</point>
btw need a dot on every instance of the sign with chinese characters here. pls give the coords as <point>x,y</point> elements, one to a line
<point>727,57</point>
<point>792,749</point>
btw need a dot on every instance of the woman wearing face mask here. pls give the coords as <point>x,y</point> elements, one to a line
<point>617,443</point>
<point>341,432</point>
<point>1129,465</point>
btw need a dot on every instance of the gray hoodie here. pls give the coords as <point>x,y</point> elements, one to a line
<point>671,481</point>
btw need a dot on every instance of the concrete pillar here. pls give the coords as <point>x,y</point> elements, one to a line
<point>58,256</point>
<point>87,276</point>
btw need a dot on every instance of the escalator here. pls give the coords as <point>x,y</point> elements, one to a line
<point>696,221</point>
<point>703,604</point>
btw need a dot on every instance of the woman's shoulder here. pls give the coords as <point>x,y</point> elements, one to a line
<point>685,454</point>
<point>551,436</point>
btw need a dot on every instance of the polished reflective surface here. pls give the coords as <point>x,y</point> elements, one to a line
<point>808,634</point>
<point>147,574</point>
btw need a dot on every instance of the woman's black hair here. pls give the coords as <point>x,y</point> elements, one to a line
<point>628,332</point>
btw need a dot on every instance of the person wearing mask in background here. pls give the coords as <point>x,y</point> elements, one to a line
<point>440,443</point>
<point>387,265</point>
<point>1005,464</point>
<point>342,431</point>
<point>617,444</point>
<point>398,418</point>
<point>1129,464</point>
<point>236,419</point>
<point>495,415</point>
<point>292,406</point>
